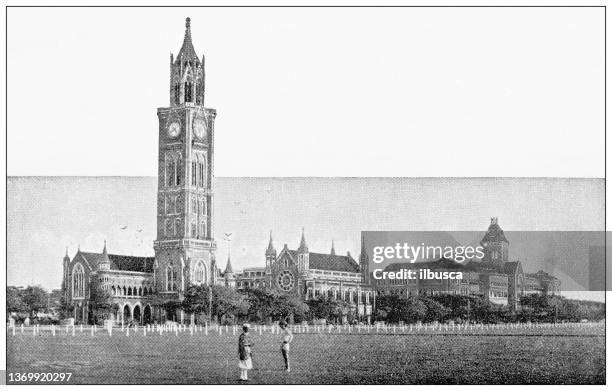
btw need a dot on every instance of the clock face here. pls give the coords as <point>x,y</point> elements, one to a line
<point>285,280</point>
<point>174,129</point>
<point>199,128</point>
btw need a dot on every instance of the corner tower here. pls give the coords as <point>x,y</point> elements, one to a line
<point>185,178</point>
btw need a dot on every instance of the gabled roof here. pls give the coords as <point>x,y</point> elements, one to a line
<point>337,263</point>
<point>120,262</point>
<point>511,267</point>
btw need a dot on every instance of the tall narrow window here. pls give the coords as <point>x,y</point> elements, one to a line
<point>78,281</point>
<point>171,283</point>
<point>169,170</point>
<point>194,166</point>
<point>178,171</point>
<point>199,273</point>
<point>194,232</point>
<point>188,92</point>
<point>202,172</point>
<point>177,228</point>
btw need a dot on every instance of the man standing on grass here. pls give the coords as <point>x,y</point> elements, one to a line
<point>287,338</point>
<point>244,353</point>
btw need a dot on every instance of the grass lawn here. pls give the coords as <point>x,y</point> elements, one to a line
<point>572,354</point>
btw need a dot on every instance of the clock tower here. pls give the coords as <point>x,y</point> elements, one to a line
<point>185,247</point>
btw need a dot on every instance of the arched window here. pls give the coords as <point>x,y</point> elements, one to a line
<point>124,291</point>
<point>78,281</point>
<point>202,230</point>
<point>129,292</point>
<point>171,284</point>
<point>199,273</point>
<point>194,231</point>
<point>140,291</point>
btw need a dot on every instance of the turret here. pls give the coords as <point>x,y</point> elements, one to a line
<point>364,263</point>
<point>105,261</point>
<point>495,244</point>
<point>66,266</point>
<point>186,73</point>
<point>228,275</point>
<point>302,254</point>
<point>270,254</point>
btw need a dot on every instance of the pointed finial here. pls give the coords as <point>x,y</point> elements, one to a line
<point>104,250</point>
<point>333,250</point>
<point>228,267</point>
<point>303,247</point>
<point>66,250</point>
<point>270,250</point>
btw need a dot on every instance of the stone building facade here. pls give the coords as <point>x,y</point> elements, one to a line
<point>141,287</point>
<point>311,275</point>
<point>495,277</point>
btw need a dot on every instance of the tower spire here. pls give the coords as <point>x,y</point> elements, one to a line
<point>228,267</point>
<point>333,250</point>
<point>303,246</point>
<point>270,250</point>
<point>187,52</point>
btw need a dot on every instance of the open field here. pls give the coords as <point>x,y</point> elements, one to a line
<point>557,354</point>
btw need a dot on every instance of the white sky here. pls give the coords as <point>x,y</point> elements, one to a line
<point>314,92</point>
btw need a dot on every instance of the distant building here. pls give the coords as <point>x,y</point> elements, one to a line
<point>495,277</point>
<point>311,275</point>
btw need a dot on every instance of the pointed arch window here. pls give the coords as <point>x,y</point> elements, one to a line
<point>199,274</point>
<point>171,283</point>
<point>78,281</point>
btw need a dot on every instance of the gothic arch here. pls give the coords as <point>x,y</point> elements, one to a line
<point>78,280</point>
<point>199,273</point>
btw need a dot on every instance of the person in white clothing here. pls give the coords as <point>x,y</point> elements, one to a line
<point>285,345</point>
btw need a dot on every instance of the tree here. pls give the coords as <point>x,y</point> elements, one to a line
<point>101,302</point>
<point>66,307</point>
<point>196,299</point>
<point>14,300</point>
<point>35,299</point>
<point>227,302</point>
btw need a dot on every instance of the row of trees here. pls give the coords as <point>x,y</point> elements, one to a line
<point>227,305</point>
<point>257,305</point>
<point>443,308</point>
